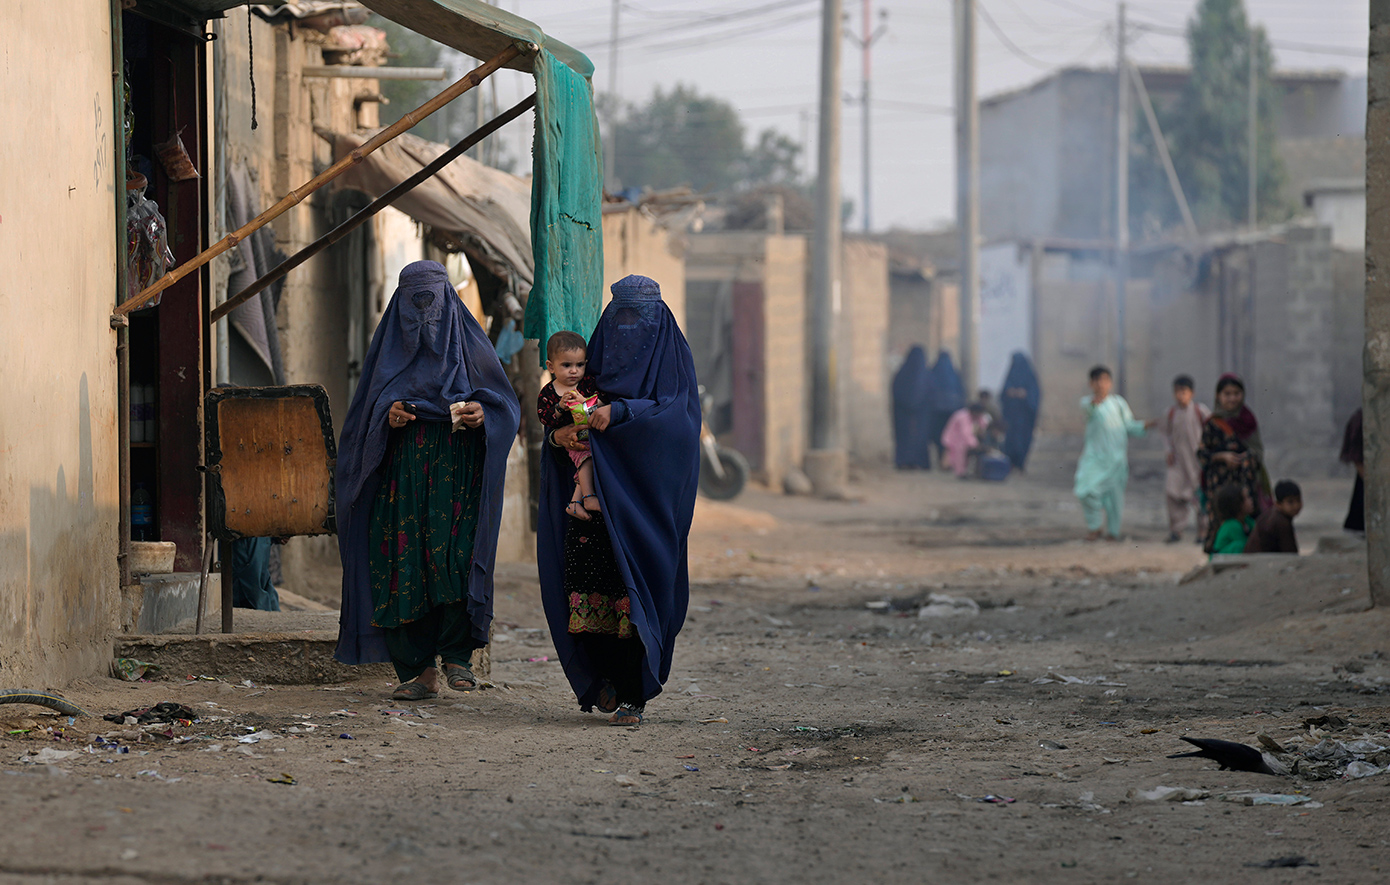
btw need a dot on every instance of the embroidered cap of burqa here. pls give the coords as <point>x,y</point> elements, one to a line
<point>912,412</point>
<point>428,350</point>
<point>646,471</point>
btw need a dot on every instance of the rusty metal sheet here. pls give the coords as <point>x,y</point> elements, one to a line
<point>270,460</point>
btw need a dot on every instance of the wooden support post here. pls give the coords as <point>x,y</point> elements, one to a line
<point>224,551</point>
<point>296,196</point>
<point>203,585</point>
<point>381,202</point>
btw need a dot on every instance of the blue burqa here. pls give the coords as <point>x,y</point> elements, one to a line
<point>912,412</point>
<point>430,351</point>
<point>1020,412</point>
<point>948,394</point>
<point>646,470</point>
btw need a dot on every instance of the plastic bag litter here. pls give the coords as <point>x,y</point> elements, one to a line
<point>48,754</point>
<point>939,605</point>
<point>1170,794</point>
<point>1270,799</point>
<point>1359,769</point>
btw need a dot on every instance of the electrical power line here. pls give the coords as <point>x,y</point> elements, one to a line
<point>1024,55</point>
<point>1315,48</point>
<point>659,31</point>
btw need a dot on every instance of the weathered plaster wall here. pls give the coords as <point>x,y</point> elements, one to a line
<point>771,270</point>
<point>58,479</point>
<point>283,152</point>
<point>864,352</point>
<point>635,242</point>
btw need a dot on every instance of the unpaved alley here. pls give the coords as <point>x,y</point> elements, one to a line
<point>934,681</point>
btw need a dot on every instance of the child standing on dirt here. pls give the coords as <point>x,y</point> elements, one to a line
<point>566,356</point>
<point>1182,436</point>
<point>1234,525</point>
<point>1103,471</point>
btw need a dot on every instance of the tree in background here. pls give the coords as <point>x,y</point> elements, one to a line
<point>683,138</point>
<point>1209,129</point>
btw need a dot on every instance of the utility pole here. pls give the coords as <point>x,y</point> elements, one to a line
<point>866,45</point>
<point>1122,123</point>
<point>610,150</point>
<point>967,188</point>
<point>826,464</point>
<point>1254,114</point>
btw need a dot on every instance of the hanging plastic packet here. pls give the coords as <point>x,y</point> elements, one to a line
<point>148,256</point>
<point>173,156</point>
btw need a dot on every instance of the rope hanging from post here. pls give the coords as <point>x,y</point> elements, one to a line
<point>251,66</point>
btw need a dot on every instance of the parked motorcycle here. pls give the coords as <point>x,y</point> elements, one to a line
<point>723,471</point>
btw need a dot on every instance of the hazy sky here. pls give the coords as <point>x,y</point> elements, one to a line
<point>762,56</point>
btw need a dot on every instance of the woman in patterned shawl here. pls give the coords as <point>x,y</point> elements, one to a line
<point>1232,452</point>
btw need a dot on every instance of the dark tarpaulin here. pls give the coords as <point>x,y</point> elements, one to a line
<point>912,412</point>
<point>427,350</point>
<point>1020,412</point>
<point>646,469</point>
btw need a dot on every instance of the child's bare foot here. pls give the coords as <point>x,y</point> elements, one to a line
<point>593,508</point>
<point>1095,536</point>
<point>577,510</point>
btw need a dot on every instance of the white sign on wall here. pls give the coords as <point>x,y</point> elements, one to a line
<point>1006,311</point>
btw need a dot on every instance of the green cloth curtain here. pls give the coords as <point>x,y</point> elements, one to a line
<point>566,205</point>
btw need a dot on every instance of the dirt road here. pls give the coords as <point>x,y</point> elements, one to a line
<point>816,728</point>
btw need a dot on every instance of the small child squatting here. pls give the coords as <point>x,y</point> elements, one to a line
<point>566,358</point>
<point>1273,531</point>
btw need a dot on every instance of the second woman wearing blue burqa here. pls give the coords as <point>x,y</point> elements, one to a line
<point>616,587</point>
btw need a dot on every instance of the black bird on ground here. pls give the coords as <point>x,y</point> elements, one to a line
<point>1230,755</point>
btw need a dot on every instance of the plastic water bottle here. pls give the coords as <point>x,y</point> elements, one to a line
<point>141,514</point>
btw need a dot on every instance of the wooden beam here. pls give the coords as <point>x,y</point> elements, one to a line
<point>283,268</point>
<point>294,197</point>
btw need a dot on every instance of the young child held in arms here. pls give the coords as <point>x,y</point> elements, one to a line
<point>566,355</point>
<point>1274,529</point>
<point>1233,509</point>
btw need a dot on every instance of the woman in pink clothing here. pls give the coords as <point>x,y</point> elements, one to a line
<point>962,436</point>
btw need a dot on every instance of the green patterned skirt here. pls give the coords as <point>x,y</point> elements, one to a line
<point>423,521</point>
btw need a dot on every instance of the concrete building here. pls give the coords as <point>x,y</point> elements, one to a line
<point>140,80</point>
<point>746,323</point>
<point>1047,151</point>
<point>747,315</point>
<point>1280,307</point>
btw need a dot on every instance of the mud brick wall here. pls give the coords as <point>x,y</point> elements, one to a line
<point>864,352</point>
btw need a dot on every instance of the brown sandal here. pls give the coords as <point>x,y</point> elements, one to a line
<point>460,678</point>
<point>412,691</point>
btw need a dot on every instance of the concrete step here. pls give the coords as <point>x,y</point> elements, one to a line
<point>278,648</point>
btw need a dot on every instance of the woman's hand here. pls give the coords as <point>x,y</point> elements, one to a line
<point>567,437</point>
<point>600,418</point>
<point>1231,458</point>
<point>471,416</point>
<point>398,416</point>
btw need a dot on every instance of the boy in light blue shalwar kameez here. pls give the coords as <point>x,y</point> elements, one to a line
<point>1103,471</point>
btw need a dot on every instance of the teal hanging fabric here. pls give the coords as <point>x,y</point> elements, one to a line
<point>566,205</point>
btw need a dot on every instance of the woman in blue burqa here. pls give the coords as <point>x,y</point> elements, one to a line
<point>419,492</point>
<point>1019,401</point>
<point>615,586</point>
<point>912,412</point>
<point>948,395</point>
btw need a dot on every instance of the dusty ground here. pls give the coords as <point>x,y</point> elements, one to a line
<point>814,729</point>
